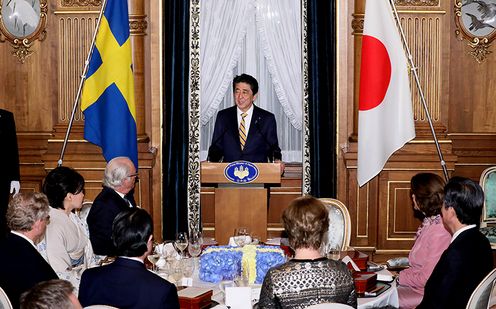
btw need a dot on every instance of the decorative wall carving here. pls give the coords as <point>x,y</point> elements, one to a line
<point>194,118</point>
<point>475,23</point>
<point>423,34</point>
<point>306,113</point>
<point>81,3</point>
<point>19,27</point>
<point>75,33</point>
<point>138,26</point>
<point>357,23</point>
<point>416,2</point>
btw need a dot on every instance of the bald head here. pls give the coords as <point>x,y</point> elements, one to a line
<point>120,174</point>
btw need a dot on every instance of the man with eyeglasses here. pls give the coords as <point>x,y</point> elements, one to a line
<point>21,265</point>
<point>116,196</point>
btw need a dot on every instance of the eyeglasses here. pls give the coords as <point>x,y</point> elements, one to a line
<point>133,175</point>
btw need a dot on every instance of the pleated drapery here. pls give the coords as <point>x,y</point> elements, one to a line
<point>175,117</point>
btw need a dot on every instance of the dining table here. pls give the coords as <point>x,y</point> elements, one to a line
<point>387,296</point>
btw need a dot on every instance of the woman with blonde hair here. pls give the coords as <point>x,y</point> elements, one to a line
<point>309,278</point>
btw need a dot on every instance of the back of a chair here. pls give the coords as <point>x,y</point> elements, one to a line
<point>4,300</point>
<point>481,294</point>
<point>488,184</point>
<point>84,211</point>
<point>329,306</point>
<point>488,218</point>
<point>339,233</point>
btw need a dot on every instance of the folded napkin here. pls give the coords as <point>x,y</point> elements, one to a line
<point>233,243</point>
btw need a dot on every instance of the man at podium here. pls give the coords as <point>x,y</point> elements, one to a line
<point>245,131</point>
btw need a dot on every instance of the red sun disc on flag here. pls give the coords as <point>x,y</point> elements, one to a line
<point>375,73</point>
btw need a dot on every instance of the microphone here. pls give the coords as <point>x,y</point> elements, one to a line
<point>271,145</point>
<point>213,150</point>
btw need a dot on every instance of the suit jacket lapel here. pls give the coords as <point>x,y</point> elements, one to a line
<point>253,126</point>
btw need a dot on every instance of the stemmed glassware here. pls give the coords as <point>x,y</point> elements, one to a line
<point>181,242</point>
<point>195,243</point>
<point>241,236</point>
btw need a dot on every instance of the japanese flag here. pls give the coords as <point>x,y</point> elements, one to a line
<point>385,117</point>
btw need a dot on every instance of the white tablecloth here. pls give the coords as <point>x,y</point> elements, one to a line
<point>389,297</point>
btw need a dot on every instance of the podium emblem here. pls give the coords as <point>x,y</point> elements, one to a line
<point>241,172</point>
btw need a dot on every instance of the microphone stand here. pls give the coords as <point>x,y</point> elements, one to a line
<point>421,93</point>
<point>81,83</point>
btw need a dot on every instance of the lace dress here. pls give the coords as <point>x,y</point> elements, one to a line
<point>298,284</point>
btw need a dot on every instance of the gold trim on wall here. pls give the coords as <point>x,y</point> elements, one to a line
<point>81,3</point>
<point>367,193</point>
<point>416,2</point>
<point>22,45</point>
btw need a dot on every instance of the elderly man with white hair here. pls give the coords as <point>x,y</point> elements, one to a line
<point>119,179</point>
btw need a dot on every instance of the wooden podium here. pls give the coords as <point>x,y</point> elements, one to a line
<point>237,204</point>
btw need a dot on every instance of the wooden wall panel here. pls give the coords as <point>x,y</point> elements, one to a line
<point>41,92</point>
<point>471,92</point>
<point>458,93</point>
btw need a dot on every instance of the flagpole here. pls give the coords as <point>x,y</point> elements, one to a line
<point>422,98</point>
<point>81,83</point>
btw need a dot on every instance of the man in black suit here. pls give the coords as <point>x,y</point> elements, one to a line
<point>468,259</point>
<point>126,283</point>
<point>9,156</point>
<point>21,266</point>
<point>260,139</point>
<point>116,196</point>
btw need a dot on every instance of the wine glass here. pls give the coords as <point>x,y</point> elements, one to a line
<point>153,258</point>
<point>195,243</point>
<point>181,242</point>
<point>241,235</point>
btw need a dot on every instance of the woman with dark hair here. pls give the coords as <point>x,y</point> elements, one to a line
<point>427,193</point>
<point>309,278</point>
<point>66,244</point>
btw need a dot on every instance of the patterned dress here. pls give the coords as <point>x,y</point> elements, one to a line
<point>301,283</point>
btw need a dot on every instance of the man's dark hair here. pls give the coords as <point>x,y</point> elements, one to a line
<point>131,230</point>
<point>248,79</point>
<point>466,197</point>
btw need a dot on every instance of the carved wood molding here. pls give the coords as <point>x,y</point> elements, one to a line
<point>138,24</point>
<point>22,42</point>
<point>357,23</point>
<point>416,2</point>
<point>82,3</point>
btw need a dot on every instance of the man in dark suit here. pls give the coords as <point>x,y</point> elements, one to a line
<point>126,283</point>
<point>257,141</point>
<point>468,259</point>
<point>21,266</point>
<point>116,196</point>
<point>9,156</point>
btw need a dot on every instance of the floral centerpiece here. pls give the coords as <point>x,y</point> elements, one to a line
<point>226,262</point>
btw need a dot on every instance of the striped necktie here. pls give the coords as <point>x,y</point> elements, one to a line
<point>242,131</point>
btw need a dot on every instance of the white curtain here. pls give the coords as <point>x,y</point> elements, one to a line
<point>222,29</point>
<point>270,50</point>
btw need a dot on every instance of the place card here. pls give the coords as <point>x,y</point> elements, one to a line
<point>239,297</point>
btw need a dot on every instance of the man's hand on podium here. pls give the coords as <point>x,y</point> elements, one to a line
<point>281,165</point>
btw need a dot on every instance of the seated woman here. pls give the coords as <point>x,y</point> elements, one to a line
<point>431,240</point>
<point>309,278</point>
<point>66,244</point>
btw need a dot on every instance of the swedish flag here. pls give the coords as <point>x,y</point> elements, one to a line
<point>107,99</point>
